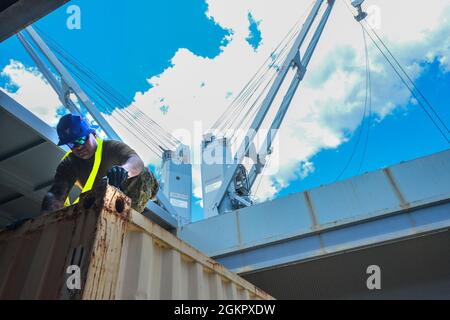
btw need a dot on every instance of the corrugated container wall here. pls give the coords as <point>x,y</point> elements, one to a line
<point>102,249</point>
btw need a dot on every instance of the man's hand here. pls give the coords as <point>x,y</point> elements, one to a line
<point>117,175</point>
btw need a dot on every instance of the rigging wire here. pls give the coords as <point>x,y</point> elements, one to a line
<point>409,78</point>
<point>244,99</point>
<point>143,119</point>
<point>153,146</point>
<point>119,112</point>
<point>409,88</point>
<point>128,111</point>
<point>110,108</point>
<point>240,106</point>
<point>250,82</point>
<point>236,107</point>
<point>250,114</point>
<point>403,80</point>
<point>252,111</point>
<point>358,139</point>
<point>369,118</point>
<point>274,65</point>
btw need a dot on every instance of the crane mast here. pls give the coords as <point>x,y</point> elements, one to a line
<point>226,185</point>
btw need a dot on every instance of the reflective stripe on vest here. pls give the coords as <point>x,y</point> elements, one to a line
<point>90,181</point>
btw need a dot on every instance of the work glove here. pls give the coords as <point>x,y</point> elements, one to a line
<point>117,176</point>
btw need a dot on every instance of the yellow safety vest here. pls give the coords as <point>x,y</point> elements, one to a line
<point>90,181</point>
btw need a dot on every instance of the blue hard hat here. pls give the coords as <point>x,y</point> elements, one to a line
<point>72,127</point>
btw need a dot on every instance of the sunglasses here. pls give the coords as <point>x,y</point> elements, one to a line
<point>79,142</point>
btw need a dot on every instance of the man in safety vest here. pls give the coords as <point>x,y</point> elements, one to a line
<point>90,159</point>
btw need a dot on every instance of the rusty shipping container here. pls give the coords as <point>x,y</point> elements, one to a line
<point>102,249</point>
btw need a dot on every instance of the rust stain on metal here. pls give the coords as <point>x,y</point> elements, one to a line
<point>313,216</point>
<point>98,224</point>
<point>311,210</point>
<point>111,228</point>
<point>403,203</point>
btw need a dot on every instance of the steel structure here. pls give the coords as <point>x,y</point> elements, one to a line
<point>17,14</point>
<point>220,194</point>
<point>319,243</point>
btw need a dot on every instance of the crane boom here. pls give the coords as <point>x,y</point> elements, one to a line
<point>302,64</point>
<point>224,187</point>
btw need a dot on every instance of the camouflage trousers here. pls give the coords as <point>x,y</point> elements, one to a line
<point>141,189</point>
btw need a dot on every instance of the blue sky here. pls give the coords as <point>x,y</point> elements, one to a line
<point>112,35</point>
<point>133,48</point>
<point>404,135</point>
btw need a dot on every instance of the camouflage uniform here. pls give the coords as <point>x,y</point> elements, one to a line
<point>141,189</point>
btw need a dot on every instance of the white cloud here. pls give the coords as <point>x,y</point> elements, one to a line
<point>33,91</point>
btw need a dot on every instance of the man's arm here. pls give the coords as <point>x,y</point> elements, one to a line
<point>134,165</point>
<point>56,196</point>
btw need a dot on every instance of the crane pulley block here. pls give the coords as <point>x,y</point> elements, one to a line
<point>361,14</point>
